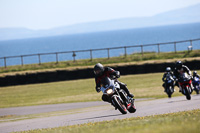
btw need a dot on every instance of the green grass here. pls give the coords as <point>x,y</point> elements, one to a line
<point>142,86</point>
<point>87,62</point>
<point>181,122</point>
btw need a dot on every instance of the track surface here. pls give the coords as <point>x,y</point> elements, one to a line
<point>91,112</point>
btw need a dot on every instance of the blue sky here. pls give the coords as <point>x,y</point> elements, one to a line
<point>46,14</point>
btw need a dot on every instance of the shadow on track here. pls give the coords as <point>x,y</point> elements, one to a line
<point>177,101</point>
<point>105,116</point>
<point>193,97</point>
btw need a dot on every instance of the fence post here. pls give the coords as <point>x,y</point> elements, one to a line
<point>90,54</point>
<point>142,50</point>
<point>5,62</point>
<point>191,44</point>
<point>39,59</point>
<point>74,55</point>
<point>22,62</point>
<point>108,53</point>
<point>158,48</point>
<point>175,47</point>
<point>56,58</point>
<point>125,53</point>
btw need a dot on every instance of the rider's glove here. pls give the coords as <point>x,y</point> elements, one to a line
<point>98,89</point>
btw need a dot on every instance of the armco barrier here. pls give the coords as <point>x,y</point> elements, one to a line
<point>62,75</point>
<point>190,44</point>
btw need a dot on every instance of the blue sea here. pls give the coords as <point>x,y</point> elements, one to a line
<point>118,38</point>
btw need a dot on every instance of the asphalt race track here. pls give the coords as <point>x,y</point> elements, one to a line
<point>79,113</point>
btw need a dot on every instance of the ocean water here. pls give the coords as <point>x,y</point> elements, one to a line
<point>119,38</point>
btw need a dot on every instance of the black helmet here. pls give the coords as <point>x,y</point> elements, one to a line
<point>194,73</point>
<point>168,69</point>
<point>179,64</point>
<point>98,69</point>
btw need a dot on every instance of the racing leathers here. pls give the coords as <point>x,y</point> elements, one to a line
<point>111,73</point>
<point>178,71</point>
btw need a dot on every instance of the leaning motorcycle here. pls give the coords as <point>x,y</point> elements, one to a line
<point>185,85</point>
<point>169,85</point>
<point>117,96</point>
<point>196,84</point>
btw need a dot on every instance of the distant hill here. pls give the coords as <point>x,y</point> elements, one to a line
<point>180,16</point>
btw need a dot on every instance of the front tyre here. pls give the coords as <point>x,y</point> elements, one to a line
<point>196,89</point>
<point>187,93</point>
<point>169,91</point>
<point>119,105</point>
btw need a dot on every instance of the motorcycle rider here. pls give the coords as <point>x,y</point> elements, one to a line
<point>196,82</point>
<point>195,74</point>
<point>180,68</point>
<point>167,72</point>
<point>100,72</point>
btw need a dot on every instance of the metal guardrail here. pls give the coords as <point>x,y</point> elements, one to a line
<point>91,51</point>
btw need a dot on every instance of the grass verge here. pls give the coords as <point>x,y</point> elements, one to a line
<point>142,86</point>
<point>181,122</point>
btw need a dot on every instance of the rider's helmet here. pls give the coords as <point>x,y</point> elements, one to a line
<point>98,69</point>
<point>179,64</point>
<point>194,73</point>
<point>168,69</point>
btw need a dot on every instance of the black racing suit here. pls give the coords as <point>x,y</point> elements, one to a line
<point>183,69</point>
<point>109,72</point>
<point>178,71</point>
<point>166,74</point>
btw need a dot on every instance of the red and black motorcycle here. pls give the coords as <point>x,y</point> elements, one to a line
<point>185,83</point>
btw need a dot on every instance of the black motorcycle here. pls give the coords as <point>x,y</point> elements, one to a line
<point>169,85</point>
<point>117,96</point>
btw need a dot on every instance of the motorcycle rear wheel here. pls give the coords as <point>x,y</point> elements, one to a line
<point>132,109</point>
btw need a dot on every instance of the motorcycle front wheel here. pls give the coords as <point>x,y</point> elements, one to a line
<point>119,105</point>
<point>187,93</point>
<point>197,89</point>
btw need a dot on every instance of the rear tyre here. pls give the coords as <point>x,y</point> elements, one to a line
<point>132,109</point>
<point>119,105</point>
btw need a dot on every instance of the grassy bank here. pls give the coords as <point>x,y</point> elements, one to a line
<point>137,57</point>
<point>142,86</point>
<point>181,122</point>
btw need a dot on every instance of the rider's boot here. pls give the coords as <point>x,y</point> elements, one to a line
<point>123,86</point>
<point>180,88</point>
<point>128,93</point>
